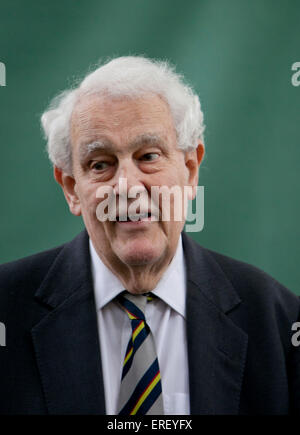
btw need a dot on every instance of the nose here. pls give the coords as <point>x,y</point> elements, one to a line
<point>128,176</point>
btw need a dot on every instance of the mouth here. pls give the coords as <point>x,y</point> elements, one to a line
<point>138,221</point>
<point>138,217</point>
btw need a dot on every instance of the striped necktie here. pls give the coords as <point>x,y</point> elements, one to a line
<point>140,391</point>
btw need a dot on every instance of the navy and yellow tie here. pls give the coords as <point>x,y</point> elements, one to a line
<point>140,391</point>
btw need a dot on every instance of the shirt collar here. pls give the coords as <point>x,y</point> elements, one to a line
<point>171,288</point>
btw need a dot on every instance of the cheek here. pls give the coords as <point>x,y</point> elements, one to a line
<point>87,197</point>
<point>170,177</point>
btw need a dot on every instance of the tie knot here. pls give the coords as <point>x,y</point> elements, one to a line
<point>134,305</point>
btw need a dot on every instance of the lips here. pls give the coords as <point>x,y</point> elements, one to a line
<point>133,217</point>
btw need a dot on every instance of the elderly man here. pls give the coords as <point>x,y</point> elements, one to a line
<point>132,316</point>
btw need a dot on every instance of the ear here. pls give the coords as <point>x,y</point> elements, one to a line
<point>68,185</point>
<point>193,160</point>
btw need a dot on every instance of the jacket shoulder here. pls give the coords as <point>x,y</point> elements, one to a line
<point>251,284</point>
<point>25,275</point>
<point>258,291</point>
<point>250,276</point>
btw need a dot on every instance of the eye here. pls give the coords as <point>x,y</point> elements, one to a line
<point>149,157</point>
<point>100,166</point>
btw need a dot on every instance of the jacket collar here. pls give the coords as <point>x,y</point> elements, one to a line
<point>204,272</point>
<point>69,274</point>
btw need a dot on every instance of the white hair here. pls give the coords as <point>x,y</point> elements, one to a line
<point>128,77</point>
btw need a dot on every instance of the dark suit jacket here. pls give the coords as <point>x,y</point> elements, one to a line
<point>241,360</point>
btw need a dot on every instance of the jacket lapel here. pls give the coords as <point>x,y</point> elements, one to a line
<point>216,346</point>
<point>66,339</point>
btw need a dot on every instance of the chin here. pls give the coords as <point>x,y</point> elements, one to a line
<point>139,254</point>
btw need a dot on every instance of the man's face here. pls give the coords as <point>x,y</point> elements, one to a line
<point>137,142</point>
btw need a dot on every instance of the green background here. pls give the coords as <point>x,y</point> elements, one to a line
<point>236,53</point>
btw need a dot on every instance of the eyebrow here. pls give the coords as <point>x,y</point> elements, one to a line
<point>106,145</point>
<point>88,148</point>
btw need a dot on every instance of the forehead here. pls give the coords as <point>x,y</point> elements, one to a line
<point>96,115</point>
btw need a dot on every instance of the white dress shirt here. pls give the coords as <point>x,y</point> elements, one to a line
<point>165,316</point>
